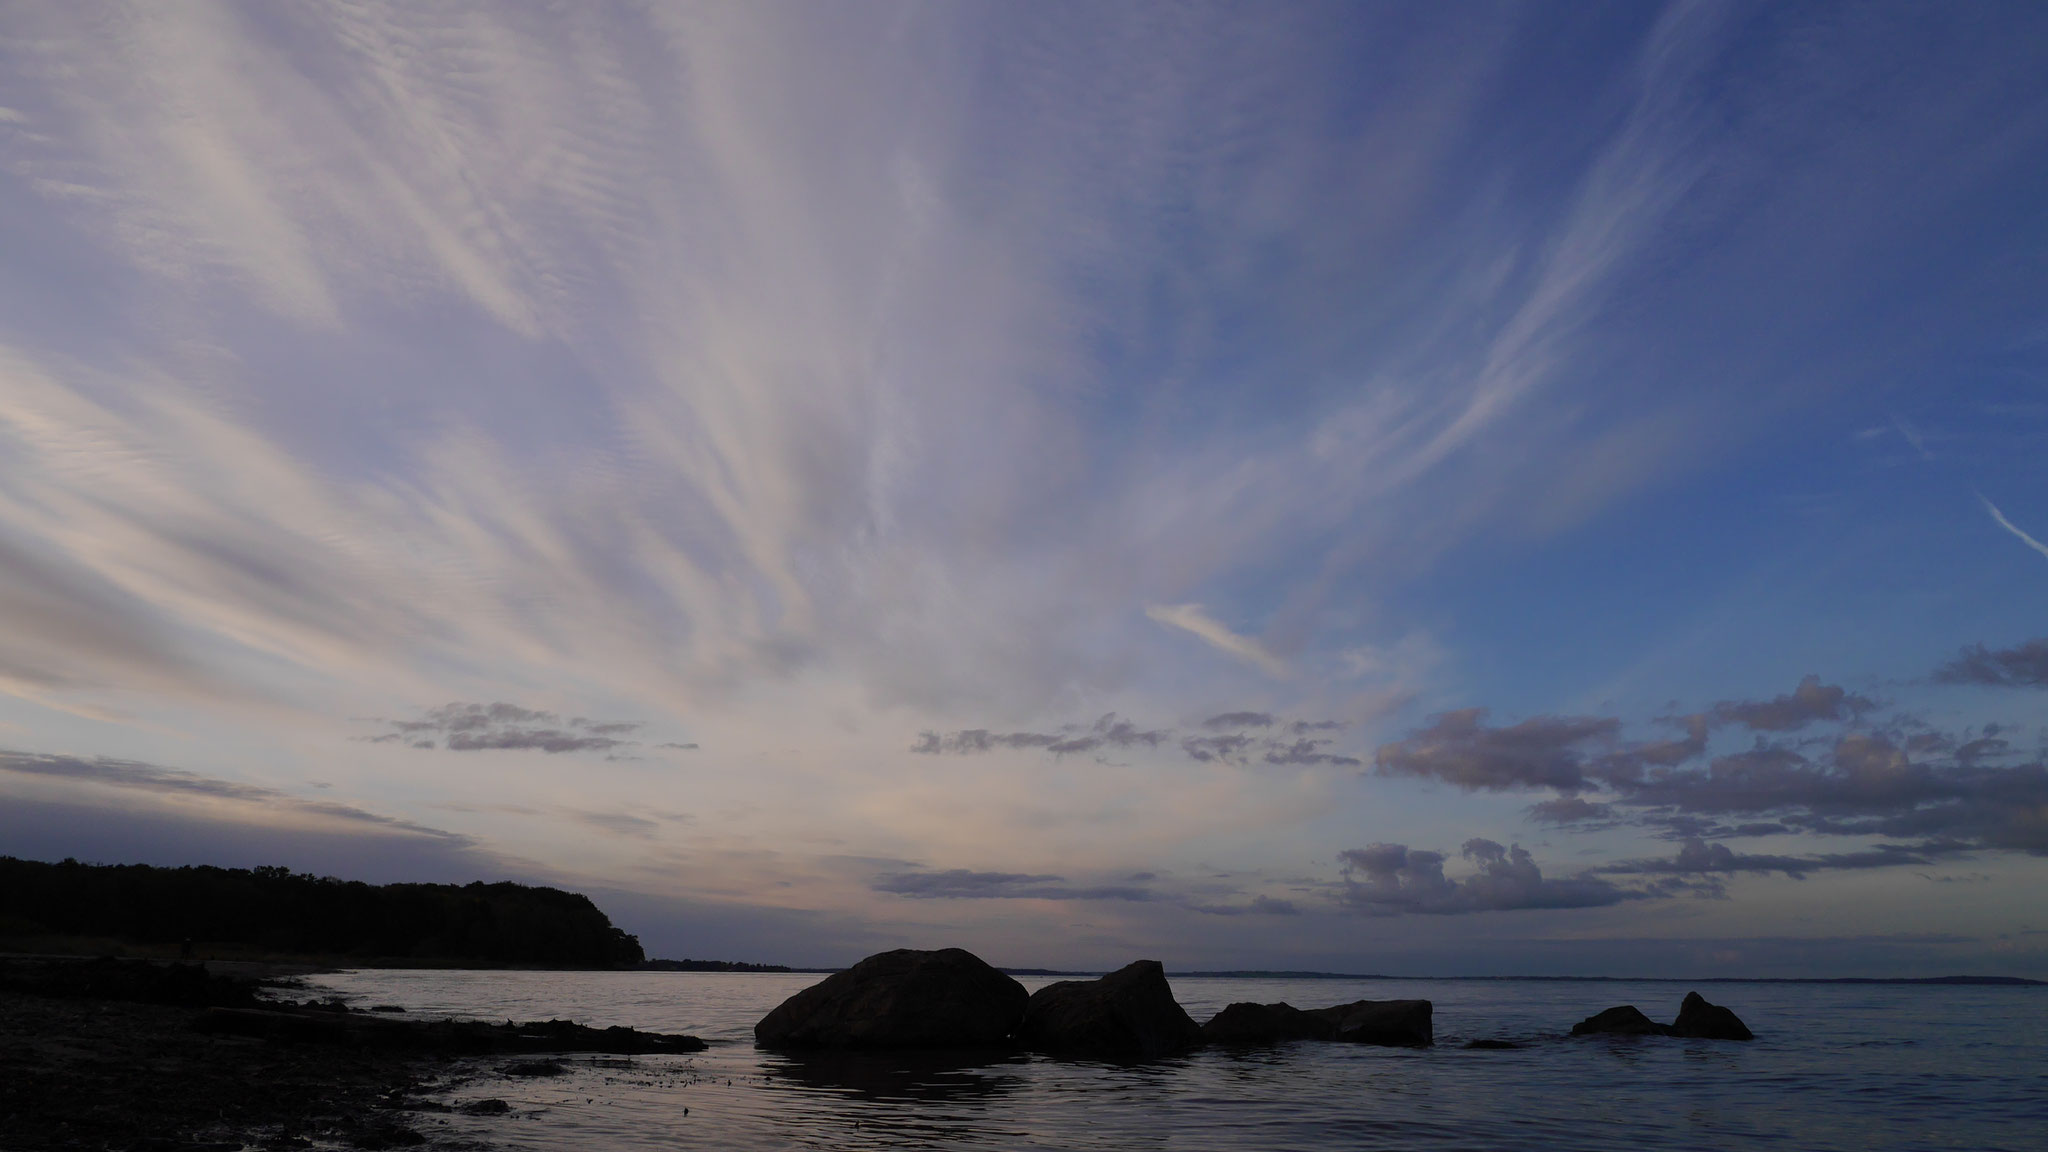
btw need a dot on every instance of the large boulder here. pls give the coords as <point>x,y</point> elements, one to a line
<point>1395,1023</point>
<point>1624,1020</point>
<point>1701,1020</point>
<point>1129,1014</point>
<point>1248,1023</point>
<point>907,998</point>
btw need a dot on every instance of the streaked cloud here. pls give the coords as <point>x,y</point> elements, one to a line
<point>249,803</point>
<point>961,884</point>
<point>2018,532</point>
<point>1195,620</point>
<point>793,380</point>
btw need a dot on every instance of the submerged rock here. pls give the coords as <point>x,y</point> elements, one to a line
<point>1491,1045</point>
<point>1623,1020</point>
<point>1701,1020</point>
<point>1248,1023</point>
<point>1394,1023</point>
<point>1129,1014</point>
<point>907,998</point>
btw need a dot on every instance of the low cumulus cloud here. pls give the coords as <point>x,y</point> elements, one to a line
<point>1929,793</point>
<point>1699,858</point>
<point>1306,751</point>
<point>1239,720</point>
<point>1811,701</point>
<point>464,727</point>
<point>963,884</point>
<point>2021,666</point>
<point>1390,879</point>
<point>1250,742</point>
<point>1259,906</point>
<point>1461,749</point>
<point>1111,731</point>
<point>1571,810</point>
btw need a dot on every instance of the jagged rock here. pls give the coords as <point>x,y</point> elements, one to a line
<point>908,998</point>
<point>1624,1020</point>
<point>1394,1023</point>
<point>1248,1023</point>
<point>1701,1020</point>
<point>1129,1014</point>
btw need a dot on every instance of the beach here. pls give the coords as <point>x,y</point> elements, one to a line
<point>79,1073</point>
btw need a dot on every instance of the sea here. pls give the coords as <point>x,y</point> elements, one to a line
<point>1857,1067</point>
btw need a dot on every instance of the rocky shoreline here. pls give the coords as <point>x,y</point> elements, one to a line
<point>125,1054</point>
<point>949,998</point>
<point>162,1057</point>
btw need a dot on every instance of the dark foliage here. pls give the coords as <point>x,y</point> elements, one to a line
<point>276,910</point>
<point>710,966</point>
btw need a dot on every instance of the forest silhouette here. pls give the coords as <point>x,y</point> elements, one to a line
<point>273,911</point>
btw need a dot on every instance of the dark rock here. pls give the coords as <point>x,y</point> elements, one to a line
<point>1701,1020</point>
<point>1395,1023</point>
<point>536,1068</point>
<point>902,999</point>
<point>136,981</point>
<point>1247,1023</point>
<point>1624,1020</point>
<point>1129,1014</point>
<point>490,1107</point>
<point>453,1037</point>
<point>1492,1045</point>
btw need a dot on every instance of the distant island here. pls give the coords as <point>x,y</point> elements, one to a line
<point>273,913</point>
<point>710,966</point>
<point>1260,974</point>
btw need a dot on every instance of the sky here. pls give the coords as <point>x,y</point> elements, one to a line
<point>1463,489</point>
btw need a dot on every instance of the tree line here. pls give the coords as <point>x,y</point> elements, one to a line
<point>273,909</point>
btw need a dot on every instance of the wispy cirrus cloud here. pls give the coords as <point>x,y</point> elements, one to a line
<point>253,803</point>
<point>2019,533</point>
<point>1196,621</point>
<point>830,376</point>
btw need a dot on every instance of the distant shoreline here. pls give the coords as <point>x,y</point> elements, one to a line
<point>261,965</point>
<point>1991,981</point>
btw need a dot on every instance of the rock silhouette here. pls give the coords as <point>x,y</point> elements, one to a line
<point>1393,1023</point>
<point>1699,1019</point>
<point>1622,1020</point>
<point>907,998</point>
<point>1248,1023</point>
<point>1129,1014</point>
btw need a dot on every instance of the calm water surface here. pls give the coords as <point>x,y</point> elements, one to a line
<point>1833,1067</point>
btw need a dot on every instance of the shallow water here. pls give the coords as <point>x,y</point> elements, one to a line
<point>1854,1067</point>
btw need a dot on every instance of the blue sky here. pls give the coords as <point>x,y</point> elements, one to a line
<point>1479,488</point>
